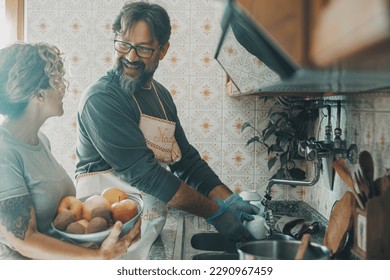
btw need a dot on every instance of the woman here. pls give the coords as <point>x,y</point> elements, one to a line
<point>32,182</point>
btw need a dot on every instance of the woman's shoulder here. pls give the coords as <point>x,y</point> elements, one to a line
<point>5,139</point>
<point>7,151</point>
<point>44,139</point>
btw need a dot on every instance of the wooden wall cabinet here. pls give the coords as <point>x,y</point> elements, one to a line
<point>353,33</point>
<point>349,34</point>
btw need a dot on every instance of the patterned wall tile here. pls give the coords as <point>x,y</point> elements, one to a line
<point>368,134</point>
<point>181,30</point>
<point>354,128</point>
<point>79,58</point>
<point>171,5</point>
<point>239,103</point>
<point>206,93</point>
<point>75,4</point>
<point>237,159</point>
<point>204,28</point>
<point>76,87</point>
<point>232,124</point>
<point>102,26</point>
<point>76,26</point>
<point>205,5</point>
<point>179,88</point>
<point>206,125</point>
<point>42,26</point>
<point>362,101</point>
<point>102,58</point>
<point>381,101</point>
<point>42,4</point>
<point>261,183</point>
<point>232,54</point>
<point>176,61</point>
<point>239,183</point>
<point>212,154</point>
<point>264,103</point>
<point>382,132</point>
<point>203,62</point>
<point>184,118</point>
<point>106,5</point>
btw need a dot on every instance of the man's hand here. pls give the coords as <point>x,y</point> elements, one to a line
<point>229,223</point>
<point>243,208</point>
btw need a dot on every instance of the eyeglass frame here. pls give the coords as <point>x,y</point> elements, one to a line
<point>135,48</point>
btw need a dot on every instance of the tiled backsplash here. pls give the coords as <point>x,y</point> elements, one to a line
<point>212,121</point>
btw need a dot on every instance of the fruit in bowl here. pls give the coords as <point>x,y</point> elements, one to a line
<point>124,210</point>
<point>98,215</point>
<point>114,194</point>
<point>72,204</point>
<point>96,206</point>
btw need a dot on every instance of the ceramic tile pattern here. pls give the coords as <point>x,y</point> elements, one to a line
<point>212,121</point>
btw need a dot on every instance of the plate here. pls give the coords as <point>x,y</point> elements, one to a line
<point>98,237</point>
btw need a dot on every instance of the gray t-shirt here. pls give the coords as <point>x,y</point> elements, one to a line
<point>32,170</point>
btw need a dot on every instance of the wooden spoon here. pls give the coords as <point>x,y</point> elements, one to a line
<point>305,241</point>
<point>345,174</point>
<point>367,166</point>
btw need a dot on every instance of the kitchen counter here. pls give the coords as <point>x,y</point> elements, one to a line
<point>174,240</point>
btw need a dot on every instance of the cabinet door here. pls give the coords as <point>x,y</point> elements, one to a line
<point>349,31</point>
<point>284,20</point>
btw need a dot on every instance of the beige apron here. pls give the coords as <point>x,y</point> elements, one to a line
<point>159,137</point>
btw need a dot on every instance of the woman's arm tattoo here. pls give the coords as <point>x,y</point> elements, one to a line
<point>15,215</point>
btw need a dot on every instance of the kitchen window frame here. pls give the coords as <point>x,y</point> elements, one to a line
<point>14,11</point>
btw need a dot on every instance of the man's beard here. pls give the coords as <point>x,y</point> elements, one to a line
<point>132,84</point>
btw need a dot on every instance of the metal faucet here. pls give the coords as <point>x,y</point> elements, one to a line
<point>315,151</point>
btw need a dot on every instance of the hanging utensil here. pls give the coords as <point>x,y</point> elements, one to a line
<point>345,175</point>
<point>362,186</point>
<point>340,223</point>
<point>367,166</point>
<point>305,242</point>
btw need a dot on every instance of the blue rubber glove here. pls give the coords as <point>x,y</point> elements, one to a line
<point>246,210</point>
<point>229,224</point>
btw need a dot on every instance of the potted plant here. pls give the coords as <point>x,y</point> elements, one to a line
<point>288,123</point>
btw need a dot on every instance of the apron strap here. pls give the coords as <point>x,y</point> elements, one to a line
<point>158,97</point>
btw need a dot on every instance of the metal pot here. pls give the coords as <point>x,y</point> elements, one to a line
<point>280,250</point>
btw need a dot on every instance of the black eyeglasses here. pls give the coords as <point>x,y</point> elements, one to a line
<point>124,47</point>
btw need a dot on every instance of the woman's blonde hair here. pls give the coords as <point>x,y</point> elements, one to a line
<point>25,69</point>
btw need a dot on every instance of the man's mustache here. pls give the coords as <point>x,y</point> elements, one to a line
<point>139,64</point>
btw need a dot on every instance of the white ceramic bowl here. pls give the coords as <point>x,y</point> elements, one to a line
<point>258,227</point>
<point>98,237</point>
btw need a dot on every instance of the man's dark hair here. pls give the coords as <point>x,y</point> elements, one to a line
<point>154,15</point>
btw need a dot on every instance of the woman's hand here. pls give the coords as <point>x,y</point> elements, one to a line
<point>113,246</point>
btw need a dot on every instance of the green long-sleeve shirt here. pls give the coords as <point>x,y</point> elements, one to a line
<point>109,137</point>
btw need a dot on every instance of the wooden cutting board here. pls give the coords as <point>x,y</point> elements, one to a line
<point>340,222</point>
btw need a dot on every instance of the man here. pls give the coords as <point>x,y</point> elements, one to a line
<point>128,124</point>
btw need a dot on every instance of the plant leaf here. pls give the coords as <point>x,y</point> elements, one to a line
<point>271,163</point>
<point>280,174</point>
<point>245,125</point>
<point>268,132</point>
<point>253,139</point>
<point>297,174</point>
<point>283,158</point>
<point>276,148</point>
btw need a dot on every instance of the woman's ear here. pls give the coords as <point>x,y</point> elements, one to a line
<point>164,50</point>
<point>40,96</point>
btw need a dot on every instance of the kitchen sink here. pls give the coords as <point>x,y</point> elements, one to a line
<point>216,256</point>
<point>197,240</point>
